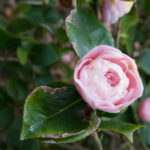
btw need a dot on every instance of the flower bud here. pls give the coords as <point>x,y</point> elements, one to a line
<point>144,110</point>
<point>112,10</point>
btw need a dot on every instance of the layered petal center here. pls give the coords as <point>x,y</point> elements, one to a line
<point>112,78</point>
<point>105,80</point>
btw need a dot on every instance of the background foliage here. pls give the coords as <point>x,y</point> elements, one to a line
<point>33,42</point>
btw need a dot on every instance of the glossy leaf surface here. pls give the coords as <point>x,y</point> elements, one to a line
<point>86,32</point>
<point>56,115</point>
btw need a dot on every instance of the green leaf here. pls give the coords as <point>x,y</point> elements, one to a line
<point>2,25</point>
<point>13,141</point>
<point>128,30</point>
<point>61,36</point>
<point>13,133</point>
<point>79,3</point>
<point>56,116</point>
<point>43,15</point>
<point>21,8</point>
<point>43,55</point>
<point>18,25</point>
<point>22,54</point>
<point>145,133</point>
<point>86,32</point>
<point>6,117</point>
<point>30,145</point>
<point>4,98</point>
<point>76,136</point>
<point>146,7</point>
<point>127,21</point>
<point>127,129</point>
<point>43,79</point>
<point>144,61</point>
<point>16,89</point>
<point>8,41</point>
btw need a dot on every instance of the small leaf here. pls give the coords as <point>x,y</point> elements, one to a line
<point>79,3</point>
<point>127,129</point>
<point>22,54</point>
<point>21,8</point>
<point>6,117</point>
<point>8,41</point>
<point>43,15</point>
<point>43,79</point>
<point>56,116</point>
<point>61,36</point>
<point>4,98</point>
<point>86,32</point>
<point>43,55</point>
<point>19,25</point>
<point>145,133</point>
<point>146,7</point>
<point>128,31</point>
<point>144,61</point>
<point>127,21</point>
<point>2,25</point>
<point>16,89</point>
<point>13,133</point>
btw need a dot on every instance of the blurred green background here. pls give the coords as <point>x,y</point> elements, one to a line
<point>34,51</point>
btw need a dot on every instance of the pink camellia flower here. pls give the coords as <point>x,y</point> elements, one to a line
<point>107,79</point>
<point>112,10</point>
<point>144,110</point>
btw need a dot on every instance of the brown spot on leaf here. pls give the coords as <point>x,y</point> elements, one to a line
<point>63,135</point>
<point>53,91</point>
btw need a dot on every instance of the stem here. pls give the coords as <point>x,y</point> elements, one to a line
<point>74,3</point>
<point>97,141</point>
<point>118,37</point>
